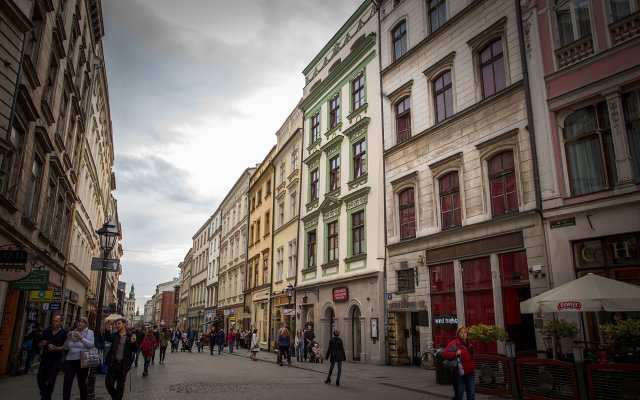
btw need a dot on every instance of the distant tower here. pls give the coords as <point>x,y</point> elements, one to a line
<point>132,293</point>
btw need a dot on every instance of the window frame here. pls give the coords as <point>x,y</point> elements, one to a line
<point>399,36</point>
<point>575,23</point>
<point>634,6</point>
<point>451,192</point>
<point>492,62</point>
<point>502,175</point>
<point>333,241</point>
<point>359,158</point>
<point>334,173</point>
<point>446,88</point>
<point>354,229</point>
<point>311,253</point>
<point>432,9</point>
<point>315,127</point>
<point>408,279</point>
<point>314,184</point>
<point>334,111</point>
<point>408,206</point>
<point>358,92</point>
<point>405,115</point>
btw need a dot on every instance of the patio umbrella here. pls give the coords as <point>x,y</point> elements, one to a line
<point>589,293</point>
<point>113,317</point>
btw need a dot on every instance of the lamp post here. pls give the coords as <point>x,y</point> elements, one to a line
<point>107,234</point>
<point>510,349</point>
<point>578,358</point>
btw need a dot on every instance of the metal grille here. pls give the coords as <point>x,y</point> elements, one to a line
<point>614,382</point>
<point>547,379</point>
<point>492,375</point>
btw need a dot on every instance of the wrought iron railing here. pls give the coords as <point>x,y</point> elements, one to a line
<point>492,374</point>
<point>542,379</point>
<point>613,381</point>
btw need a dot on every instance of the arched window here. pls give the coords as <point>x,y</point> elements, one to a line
<point>502,184</point>
<point>450,208</point>
<point>407,212</point>
<point>356,333</point>
<point>399,39</point>
<point>492,68</point>
<point>403,119</point>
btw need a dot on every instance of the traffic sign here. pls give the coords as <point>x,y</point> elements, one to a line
<point>109,264</point>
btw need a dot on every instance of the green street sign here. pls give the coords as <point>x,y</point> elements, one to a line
<point>36,280</point>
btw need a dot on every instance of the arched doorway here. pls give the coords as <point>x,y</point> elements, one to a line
<point>356,333</point>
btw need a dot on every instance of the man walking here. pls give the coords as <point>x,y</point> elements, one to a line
<point>308,338</point>
<point>220,340</point>
<point>52,345</point>
<point>119,358</point>
<point>212,340</point>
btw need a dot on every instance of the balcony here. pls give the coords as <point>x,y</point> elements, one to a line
<point>574,52</point>
<point>625,29</point>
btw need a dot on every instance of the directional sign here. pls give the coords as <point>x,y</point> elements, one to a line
<point>37,280</point>
<point>110,264</point>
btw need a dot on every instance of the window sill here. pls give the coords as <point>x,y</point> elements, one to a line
<point>8,204</point>
<point>313,145</point>
<point>330,264</point>
<point>361,109</point>
<point>334,193</point>
<point>309,269</point>
<point>357,257</point>
<point>333,130</point>
<point>406,291</point>
<point>312,205</point>
<point>358,181</point>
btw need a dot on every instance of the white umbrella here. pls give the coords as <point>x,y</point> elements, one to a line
<point>589,293</point>
<point>113,317</point>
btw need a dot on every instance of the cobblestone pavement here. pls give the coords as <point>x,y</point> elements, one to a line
<point>197,376</point>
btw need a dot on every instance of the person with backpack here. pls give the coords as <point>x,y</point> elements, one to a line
<point>463,372</point>
<point>148,347</point>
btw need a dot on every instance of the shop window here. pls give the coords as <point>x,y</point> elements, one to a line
<point>513,268</point>
<point>443,303</point>
<point>478,296</point>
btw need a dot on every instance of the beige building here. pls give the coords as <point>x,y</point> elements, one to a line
<point>233,251</point>
<point>185,290</point>
<point>340,283</point>
<point>55,128</point>
<point>462,227</point>
<point>286,208</point>
<point>213,269</point>
<point>259,257</point>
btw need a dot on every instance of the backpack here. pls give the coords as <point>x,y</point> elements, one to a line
<point>147,345</point>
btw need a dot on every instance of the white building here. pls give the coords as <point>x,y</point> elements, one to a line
<point>213,267</point>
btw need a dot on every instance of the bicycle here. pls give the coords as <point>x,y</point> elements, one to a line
<point>428,357</point>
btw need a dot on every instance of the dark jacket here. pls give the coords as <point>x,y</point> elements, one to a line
<point>308,336</point>
<point>129,350</point>
<point>220,337</point>
<point>466,357</point>
<point>284,341</point>
<point>335,352</point>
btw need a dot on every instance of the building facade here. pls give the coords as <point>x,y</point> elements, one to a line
<point>585,76</point>
<point>213,269</point>
<point>185,289</point>
<point>341,235</point>
<point>234,214</point>
<point>197,289</point>
<point>286,209</point>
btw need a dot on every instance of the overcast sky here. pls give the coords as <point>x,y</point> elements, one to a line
<point>197,90</point>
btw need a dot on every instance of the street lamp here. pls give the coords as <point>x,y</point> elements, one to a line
<point>289,291</point>
<point>107,234</point>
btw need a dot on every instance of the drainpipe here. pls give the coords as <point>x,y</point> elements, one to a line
<point>385,324</point>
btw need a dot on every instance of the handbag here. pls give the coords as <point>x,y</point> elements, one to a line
<point>89,358</point>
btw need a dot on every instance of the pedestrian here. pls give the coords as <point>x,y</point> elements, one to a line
<point>200,341</point>
<point>30,346</point>
<point>156,334</point>
<point>236,338</point>
<point>78,340</point>
<point>230,338</point>
<point>284,341</point>
<point>335,354</point>
<point>119,358</point>
<point>139,336</point>
<point>220,340</point>
<point>299,342</point>
<point>212,340</point>
<point>242,338</point>
<point>148,348</point>
<point>52,345</point>
<point>164,342</point>
<point>309,336</point>
<point>461,349</point>
<point>255,346</point>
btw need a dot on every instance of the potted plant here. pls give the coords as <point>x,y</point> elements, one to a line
<point>487,333</point>
<point>624,336</point>
<point>562,331</point>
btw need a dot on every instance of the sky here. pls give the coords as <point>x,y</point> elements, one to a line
<point>197,91</point>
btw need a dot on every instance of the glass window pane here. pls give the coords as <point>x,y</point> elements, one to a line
<point>565,27</point>
<point>582,11</point>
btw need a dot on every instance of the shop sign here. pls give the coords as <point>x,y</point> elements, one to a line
<point>13,265</point>
<point>561,223</point>
<point>37,280</point>
<point>448,321</point>
<point>290,311</point>
<point>340,294</point>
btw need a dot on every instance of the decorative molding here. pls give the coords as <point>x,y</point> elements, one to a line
<point>445,62</point>
<point>311,220</point>
<point>362,109</point>
<point>313,160</point>
<point>358,129</point>
<point>333,131</point>
<point>406,178</point>
<point>333,146</point>
<point>312,205</point>
<point>357,198</point>
<point>499,138</point>
<point>484,37</point>
<point>358,182</point>
<point>446,160</point>
<point>400,92</point>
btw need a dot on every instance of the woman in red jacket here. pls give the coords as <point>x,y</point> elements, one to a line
<point>147,348</point>
<point>463,375</point>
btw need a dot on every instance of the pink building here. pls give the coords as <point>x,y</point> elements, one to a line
<point>167,307</point>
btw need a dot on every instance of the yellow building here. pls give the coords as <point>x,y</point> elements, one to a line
<point>258,281</point>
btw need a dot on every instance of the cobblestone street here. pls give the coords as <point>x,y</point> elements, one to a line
<point>202,376</point>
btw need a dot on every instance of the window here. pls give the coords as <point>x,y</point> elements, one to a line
<point>279,263</point>
<point>257,230</point>
<point>315,187</point>
<point>293,205</point>
<point>283,172</point>
<point>259,197</point>
<point>572,18</point>
<point>280,214</point>
<point>359,159</point>
<point>256,272</point>
<point>450,208</point>
<point>34,185</point>
<point>622,8</point>
<point>315,127</point>
<point>406,280</point>
<point>437,14</point>
<point>267,189</point>
<point>478,295</point>
<point>334,111</point>
<point>443,96</point>
<point>589,149</point>
<point>492,68</point>
<point>311,249</point>
<point>265,269</point>
<point>294,161</point>
<point>251,231</point>
<point>332,241</point>
<point>267,223</point>
<point>502,184</point>
<point>357,233</point>
<point>357,92</point>
<point>403,119</point>
<point>407,211</point>
<point>399,39</point>
<point>631,106</point>
<point>10,161</point>
<point>293,257</point>
<point>443,302</point>
<point>334,173</point>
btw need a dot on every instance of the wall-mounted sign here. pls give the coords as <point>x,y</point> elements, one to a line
<point>374,328</point>
<point>36,280</point>
<point>561,223</point>
<point>13,265</point>
<point>449,321</point>
<point>340,294</point>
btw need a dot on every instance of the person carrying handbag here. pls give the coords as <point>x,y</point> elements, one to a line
<point>78,341</point>
<point>464,371</point>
